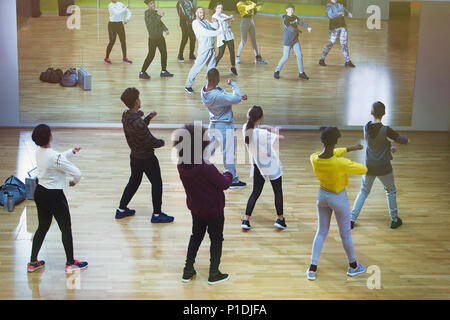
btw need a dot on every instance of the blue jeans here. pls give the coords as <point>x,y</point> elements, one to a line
<point>223,133</point>
<point>286,52</point>
<point>366,186</point>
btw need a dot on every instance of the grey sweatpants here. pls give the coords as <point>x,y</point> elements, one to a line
<point>391,194</point>
<point>207,57</point>
<point>328,202</point>
<point>222,133</point>
<point>286,52</point>
<point>248,26</point>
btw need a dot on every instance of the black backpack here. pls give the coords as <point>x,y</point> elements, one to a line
<point>45,76</point>
<point>56,76</point>
<point>15,187</point>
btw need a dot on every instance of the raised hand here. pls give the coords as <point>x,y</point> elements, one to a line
<point>152,113</point>
<point>76,149</point>
<point>309,29</point>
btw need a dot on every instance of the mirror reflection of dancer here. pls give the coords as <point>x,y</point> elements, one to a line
<point>117,11</point>
<point>206,53</point>
<point>227,38</point>
<point>247,9</point>
<point>332,170</point>
<point>155,28</point>
<point>290,41</point>
<point>186,12</point>
<point>50,199</point>
<point>336,13</point>
<point>265,162</point>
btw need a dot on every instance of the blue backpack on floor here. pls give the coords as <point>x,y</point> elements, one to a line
<point>15,187</point>
<point>70,78</point>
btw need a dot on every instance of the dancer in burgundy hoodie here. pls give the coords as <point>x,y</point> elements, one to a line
<point>204,186</point>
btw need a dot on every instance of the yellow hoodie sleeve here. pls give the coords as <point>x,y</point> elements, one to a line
<point>244,7</point>
<point>339,152</point>
<point>351,167</point>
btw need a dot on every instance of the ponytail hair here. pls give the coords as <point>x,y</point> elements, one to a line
<point>254,114</point>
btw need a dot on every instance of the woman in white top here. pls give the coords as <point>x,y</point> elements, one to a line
<point>265,163</point>
<point>50,199</point>
<point>117,12</point>
<point>227,38</point>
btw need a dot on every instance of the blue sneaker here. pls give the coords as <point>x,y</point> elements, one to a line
<point>161,218</point>
<point>76,265</point>
<point>126,213</point>
<point>358,270</point>
<point>311,275</point>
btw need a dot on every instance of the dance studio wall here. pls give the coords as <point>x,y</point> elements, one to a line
<point>432,94</point>
<point>9,88</point>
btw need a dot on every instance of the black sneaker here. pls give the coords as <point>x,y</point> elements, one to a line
<point>166,73</point>
<point>189,90</point>
<point>144,75</point>
<point>349,64</point>
<point>238,185</point>
<point>180,59</point>
<point>124,214</point>
<point>280,224</point>
<point>396,224</point>
<point>192,58</point>
<point>276,75</point>
<point>303,76</point>
<point>161,218</point>
<point>188,274</point>
<point>234,71</point>
<point>352,224</point>
<point>322,62</point>
<point>34,266</point>
<point>218,277</point>
<point>246,225</point>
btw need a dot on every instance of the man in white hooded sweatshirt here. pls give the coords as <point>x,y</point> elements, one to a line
<point>206,54</point>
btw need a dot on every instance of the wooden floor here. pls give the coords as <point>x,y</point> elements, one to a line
<point>133,259</point>
<point>385,71</point>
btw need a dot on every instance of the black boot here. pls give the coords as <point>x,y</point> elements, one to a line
<point>188,273</point>
<point>322,62</point>
<point>215,277</point>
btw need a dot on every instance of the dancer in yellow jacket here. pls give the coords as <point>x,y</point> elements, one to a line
<point>247,9</point>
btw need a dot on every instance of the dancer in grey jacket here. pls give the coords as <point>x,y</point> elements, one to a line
<point>290,41</point>
<point>378,162</point>
<point>221,128</point>
<point>206,54</point>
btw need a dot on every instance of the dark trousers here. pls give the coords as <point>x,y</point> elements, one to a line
<point>114,29</point>
<point>153,172</point>
<point>152,45</point>
<point>230,44</point>
<point>200,225</point>
<point>187,33</point>
<point>51,203</point>
<point>258,184</point>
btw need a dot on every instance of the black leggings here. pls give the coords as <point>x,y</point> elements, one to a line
<point>153,172</point>
<point>114,29</point>
<point>230,44</point>
<point>187,33</point>
<point>258,184</point>
<point>152,45</point>
<point>215,231</point>
<point>51,203</point>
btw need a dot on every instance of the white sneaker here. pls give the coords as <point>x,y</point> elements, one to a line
<point>238,60</point>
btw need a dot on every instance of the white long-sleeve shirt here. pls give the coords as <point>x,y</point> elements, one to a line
<point>117,11</point>
<point>53,168</point>
<point>205,33</point>
<point>225,25</point>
